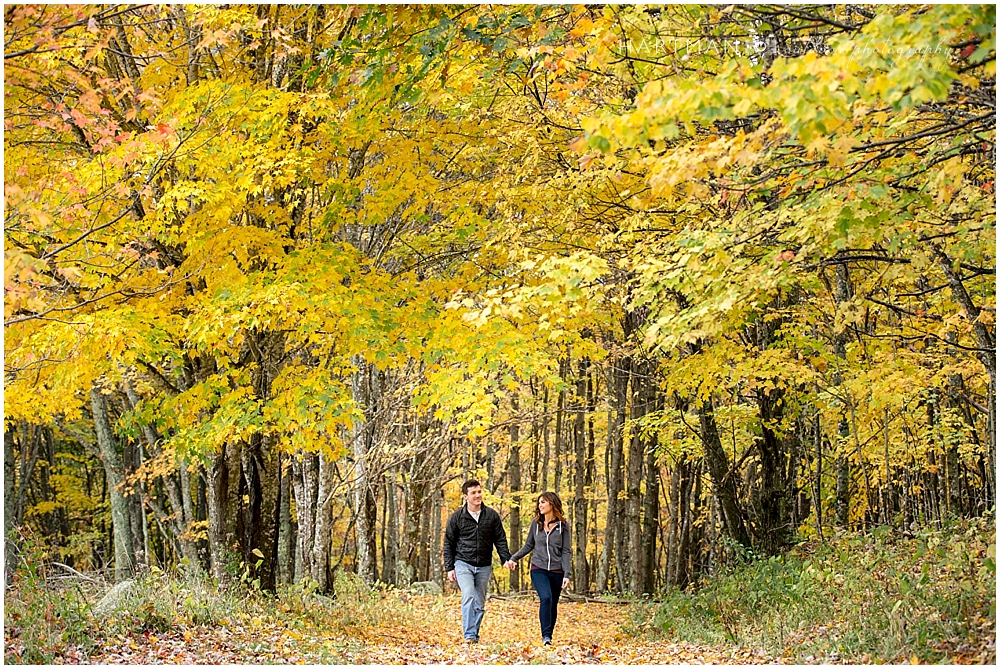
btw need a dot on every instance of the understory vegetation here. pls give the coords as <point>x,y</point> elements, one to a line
<point>51,616</point>
<point>883,597</point>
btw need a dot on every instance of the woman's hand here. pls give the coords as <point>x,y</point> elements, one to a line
<point>565,583</point>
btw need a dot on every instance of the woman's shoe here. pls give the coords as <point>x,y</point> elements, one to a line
<point>546,641</point>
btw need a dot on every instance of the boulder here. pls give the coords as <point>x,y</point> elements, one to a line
<point>114,598</point>
<point>425,588</point>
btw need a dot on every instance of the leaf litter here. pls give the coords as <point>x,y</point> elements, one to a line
<point>416,629</point>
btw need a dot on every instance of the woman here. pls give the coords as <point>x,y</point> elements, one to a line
<point>548,537</point>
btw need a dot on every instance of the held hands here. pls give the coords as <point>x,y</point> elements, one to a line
<point>510,564</point>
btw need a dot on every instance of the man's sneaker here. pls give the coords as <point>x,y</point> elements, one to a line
<point>546,641</point>
<point>471,640</point>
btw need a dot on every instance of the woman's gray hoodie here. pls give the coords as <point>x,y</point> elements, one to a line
<point>551,549</point>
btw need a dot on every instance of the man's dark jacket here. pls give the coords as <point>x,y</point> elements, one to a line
<point>472,542</point>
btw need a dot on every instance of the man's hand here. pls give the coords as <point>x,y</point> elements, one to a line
<point>451,576</point>
<point>510,564</point>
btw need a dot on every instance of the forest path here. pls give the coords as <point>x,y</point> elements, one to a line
<point>416,629</point>
<point>586,633</point>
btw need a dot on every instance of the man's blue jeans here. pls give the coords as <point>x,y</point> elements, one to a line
<point>472,581</point>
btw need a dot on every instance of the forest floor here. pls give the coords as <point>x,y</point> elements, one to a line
<point>426,631</point>
<point>880,598</point>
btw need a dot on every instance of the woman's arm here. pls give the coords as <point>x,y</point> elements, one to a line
<point>528,546</point>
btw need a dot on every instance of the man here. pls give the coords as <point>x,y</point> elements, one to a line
<point>469,538</point>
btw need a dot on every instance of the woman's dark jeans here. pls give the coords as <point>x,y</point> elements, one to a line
<point>548,585</point>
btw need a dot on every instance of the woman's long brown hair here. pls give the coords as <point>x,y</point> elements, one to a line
<point>555,503</point>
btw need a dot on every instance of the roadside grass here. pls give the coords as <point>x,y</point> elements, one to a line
<point>875,598</point>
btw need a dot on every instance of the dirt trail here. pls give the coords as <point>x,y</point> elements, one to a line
<point>416,629</point>
<point>586,633</point>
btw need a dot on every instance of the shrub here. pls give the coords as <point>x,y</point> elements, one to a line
<point>42,615</point>
<point>881,597</point>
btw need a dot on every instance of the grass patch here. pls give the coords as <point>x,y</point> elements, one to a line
<point>880,597</point>
<point>51,617</point>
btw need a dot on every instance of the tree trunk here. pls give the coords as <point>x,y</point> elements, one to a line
<point>818,481</point>
<point>718,468</point>
<point>560,439</point>
<point>286,545</point>
<point>9,469</point>
<point>607,551</point>
<point>323,522</point>
<point>591,476</point>
<point>650,520</point>
<point>434,544</point>
<point>130,464</point>
<point>545,441</point>
<point>305,484</point>
<point>772,504</point>
<point>217,494</point>
<point>985,336</point>
<point>424,558</point>
<point>120,520</point>
<point>514,468</point>
<point>181,504</point>
<point>363,497</point>
<point>390,521</point>
<point>615,505</point>
<point>842,505</point>
<point>580,474</point>
<point>413,501</point>
<point>633,518</point>
<point>672,490</point>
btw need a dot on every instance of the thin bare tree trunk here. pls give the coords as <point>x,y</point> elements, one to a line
<point>9,503</point>
<point>818,481</point>
<point>286,546</point>
<point>360,434</point>
<point>323,522</point>
<point>305,484</point>
<point>560,438</point>
<point>579,476</point>
<point>617,462</point>
<point>514,468</point>
<point>390,525</point>
<point>120,520</point>
<point>650,521</point>
<point>434,542</point>
<point>842,505</point>
<point>633,519</point>
<point>545,441</point>
<point>718,467</point>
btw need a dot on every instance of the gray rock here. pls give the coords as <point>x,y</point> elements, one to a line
<point>114,598</point>
<point>425,588</point>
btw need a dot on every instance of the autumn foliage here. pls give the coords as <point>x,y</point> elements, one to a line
<point>278,278</point>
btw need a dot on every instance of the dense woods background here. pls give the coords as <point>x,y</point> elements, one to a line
<point>278,278</point>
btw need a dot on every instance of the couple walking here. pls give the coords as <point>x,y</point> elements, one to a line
<point>472,533</point>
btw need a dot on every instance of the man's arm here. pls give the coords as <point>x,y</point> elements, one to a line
<point>450,543</point>
<point>500,540</point>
